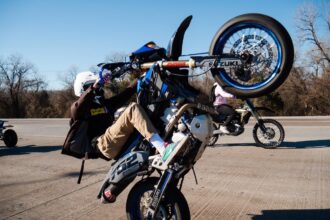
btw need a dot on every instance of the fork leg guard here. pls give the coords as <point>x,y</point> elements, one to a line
<point>159,191</point>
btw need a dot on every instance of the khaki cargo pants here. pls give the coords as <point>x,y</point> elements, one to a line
<point>114,138</point>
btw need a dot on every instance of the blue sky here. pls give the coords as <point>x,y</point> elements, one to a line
<point>55,35</point>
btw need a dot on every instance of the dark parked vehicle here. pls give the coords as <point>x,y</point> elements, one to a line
<point>8,136</point>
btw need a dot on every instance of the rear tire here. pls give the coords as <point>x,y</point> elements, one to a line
<point>10,138</point>
<point>173,205</point>
<point>272,138</point>
<point>215,137</point>
<point>266,48</point>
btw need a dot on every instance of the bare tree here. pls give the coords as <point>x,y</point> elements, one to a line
<point>69,76</point>
<point>17,77</point>
<point>313,24</point>
<point>309,18</point>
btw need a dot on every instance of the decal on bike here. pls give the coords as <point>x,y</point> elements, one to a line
<point>206,108</point>
<point>125,165</point>
<point>161,188</point>
<point>229,63</point>
<point>155,199</point>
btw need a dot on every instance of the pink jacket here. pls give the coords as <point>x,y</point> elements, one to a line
<point>221,96</point>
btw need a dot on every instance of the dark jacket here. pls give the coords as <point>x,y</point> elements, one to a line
<point>98,116</point>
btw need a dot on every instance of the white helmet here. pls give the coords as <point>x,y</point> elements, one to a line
<point>83,79</point>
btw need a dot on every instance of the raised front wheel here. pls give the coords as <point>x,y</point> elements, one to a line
<point>256,53</point>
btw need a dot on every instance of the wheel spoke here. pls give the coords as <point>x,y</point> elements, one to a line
<point>261,50</point>
<point>271,136</point>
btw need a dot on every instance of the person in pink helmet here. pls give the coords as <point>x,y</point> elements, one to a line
<point>221,105</point>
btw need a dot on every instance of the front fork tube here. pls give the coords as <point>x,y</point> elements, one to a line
<point>255,115</point>
<point>159,192</point>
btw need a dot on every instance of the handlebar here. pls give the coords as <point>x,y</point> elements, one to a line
<point>170,64</point>
<point>193,62</point>
<point>120,68</point>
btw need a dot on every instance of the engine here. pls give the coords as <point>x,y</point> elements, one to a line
<point>235,127</point>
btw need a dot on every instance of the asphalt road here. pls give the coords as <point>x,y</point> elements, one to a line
<point>236,179</point>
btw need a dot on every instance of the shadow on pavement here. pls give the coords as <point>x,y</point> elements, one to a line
<point>86,173</point>
<point>27,150</point>
<point>307,144</point>
<point>53,178</point>
<point>235,145</point>
<point>319,214</point>
<point>285,145</point>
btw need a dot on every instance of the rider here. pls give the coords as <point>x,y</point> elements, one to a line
<point>109,138</point>
<point>220,103</point>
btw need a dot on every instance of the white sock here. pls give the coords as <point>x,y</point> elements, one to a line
<point>158,143</point>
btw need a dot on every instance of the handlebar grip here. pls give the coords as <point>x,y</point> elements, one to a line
<point>170,64</point>
<point>175,64</point>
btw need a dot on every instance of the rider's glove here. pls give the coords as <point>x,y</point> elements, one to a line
<point>104,76</point>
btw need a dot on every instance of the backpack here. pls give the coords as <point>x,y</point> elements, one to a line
<point>76,143</point>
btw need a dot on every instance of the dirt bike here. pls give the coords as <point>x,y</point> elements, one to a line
<point>267,133</point>
<point>8,136</point>
<point>250,55</point>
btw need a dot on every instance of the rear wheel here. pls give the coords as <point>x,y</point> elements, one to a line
<point>270,136</point>
<point>10,138</point>
<point>215,137</point>
<point>264,49</point>
<point>172,206</point>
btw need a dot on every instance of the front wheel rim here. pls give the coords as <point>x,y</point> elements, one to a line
<point>162,213</point>
<point>229,43</point>
<point>271,136</point>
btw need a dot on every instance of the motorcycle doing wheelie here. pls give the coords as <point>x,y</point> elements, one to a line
<point>8,136</point>
<point>267,133</point>
<point>251,55</point>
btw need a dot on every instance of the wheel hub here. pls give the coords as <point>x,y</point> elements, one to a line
<point>269,134</point>
<point>145,203</point>
<point>246,57</point>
